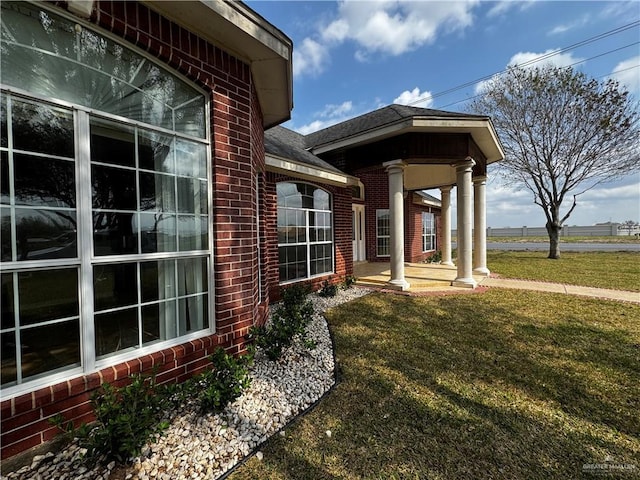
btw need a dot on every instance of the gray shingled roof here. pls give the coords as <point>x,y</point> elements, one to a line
<point>285,143</point>
<point>376,119</point>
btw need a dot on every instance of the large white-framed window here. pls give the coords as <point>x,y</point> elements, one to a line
<point>428,231</point>
<point>305,231</point>
<point>383,233</point>
<point>105,202</point>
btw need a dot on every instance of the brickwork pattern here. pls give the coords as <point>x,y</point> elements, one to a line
<point>237,163</point>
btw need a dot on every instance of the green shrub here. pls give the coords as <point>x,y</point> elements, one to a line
<point>290,319</point>
<point>126,418</point>
<point>225,382</point>
<point>436,257</point>
<point>328,290</point>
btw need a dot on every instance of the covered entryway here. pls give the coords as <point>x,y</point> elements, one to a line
<point>358,236</point>
<point>419,149</point>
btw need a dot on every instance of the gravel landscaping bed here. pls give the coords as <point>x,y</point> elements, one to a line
<point>207,446</point>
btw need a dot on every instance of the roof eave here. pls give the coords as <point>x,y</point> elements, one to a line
<point>240,31</point>
<point>480,128</point>
<point>292,168</point>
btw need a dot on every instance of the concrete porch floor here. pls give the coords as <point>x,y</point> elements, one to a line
<point>421,276</point>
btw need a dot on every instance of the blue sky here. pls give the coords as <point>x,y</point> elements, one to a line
<point>351,57</point>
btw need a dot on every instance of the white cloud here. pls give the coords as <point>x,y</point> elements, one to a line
<point>415,98</point>
<point>310,57</point>
<point>500,9</point>
<point>548,57</point>
<point>395,27</point>
<point>627,73</point>
<point>390,27</point>
<point>333,111</point>
<point>329,115</point>
<point>562,28</point>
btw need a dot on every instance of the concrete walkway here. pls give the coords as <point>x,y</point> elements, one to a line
<point>621,295</point>
<point>427,277</point>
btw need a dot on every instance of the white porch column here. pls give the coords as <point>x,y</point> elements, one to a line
<point>395,171</point>
<point>480,226</point>
<point>464,192</point>
<point>445,248</point>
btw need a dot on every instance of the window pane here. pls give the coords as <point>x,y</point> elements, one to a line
<point>5,234</point>
<point>4,178</point>
<point>44,181</point>
<point>43,129</point>
<point>192,232</point>
<point>193,314</point>
<point>192,276</point>
<point>114,285</point>
<point>192,195</point>
<point>112,144</point>
<point>9,367</point>
<point>44,234</point>
<point>6,302</point>
<point>48,295</point>
<point>190,118</point>
<point>157,192</point>
<point>158,232</point>
<point>114,233</point>
<point>50,347</point>
<point>321,200</point>
<point>158,280</point>
<point>113,188</point>
<point>159,322</point>
<point>191,159</point>
<point>3,121</point>
<point>155,152</point>
<point>116,331</point>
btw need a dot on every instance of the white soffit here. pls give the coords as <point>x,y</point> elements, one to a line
<point>235,28</point>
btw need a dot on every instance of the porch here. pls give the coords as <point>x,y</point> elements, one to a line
<point>420,276</point>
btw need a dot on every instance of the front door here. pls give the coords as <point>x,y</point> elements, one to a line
<point>358,235</point>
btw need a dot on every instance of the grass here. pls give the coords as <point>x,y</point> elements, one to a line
<point>617,270</point>
<point>545,239</point>
<point>507,384</point>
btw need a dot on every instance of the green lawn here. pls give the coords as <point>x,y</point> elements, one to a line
<point>617,270</point>
<point>505,384</point>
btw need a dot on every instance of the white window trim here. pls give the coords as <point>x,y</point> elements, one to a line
<point>309,243</point>
<point>84,263</point>
<point>428,235</point>
<point>380,211</point>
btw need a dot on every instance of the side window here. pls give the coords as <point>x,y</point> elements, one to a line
<point>305,231</point>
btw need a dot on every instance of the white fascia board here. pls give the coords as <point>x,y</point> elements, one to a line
<point>307,172</point>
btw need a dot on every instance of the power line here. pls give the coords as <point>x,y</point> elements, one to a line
<point>534,60</point>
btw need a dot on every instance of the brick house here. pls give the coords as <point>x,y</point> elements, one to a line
<point>146,216</point>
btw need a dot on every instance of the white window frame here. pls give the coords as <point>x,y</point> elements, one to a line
<point>428,234</point>
<point>308,243</point>
<point>379,213</point>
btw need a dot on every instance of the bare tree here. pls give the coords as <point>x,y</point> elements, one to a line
<point>563,133</point>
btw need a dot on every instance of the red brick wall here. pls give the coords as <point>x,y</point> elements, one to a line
<point>413,234</point>
<point>343,249</point>
<point>376,194</point>
<point>237,158</point>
